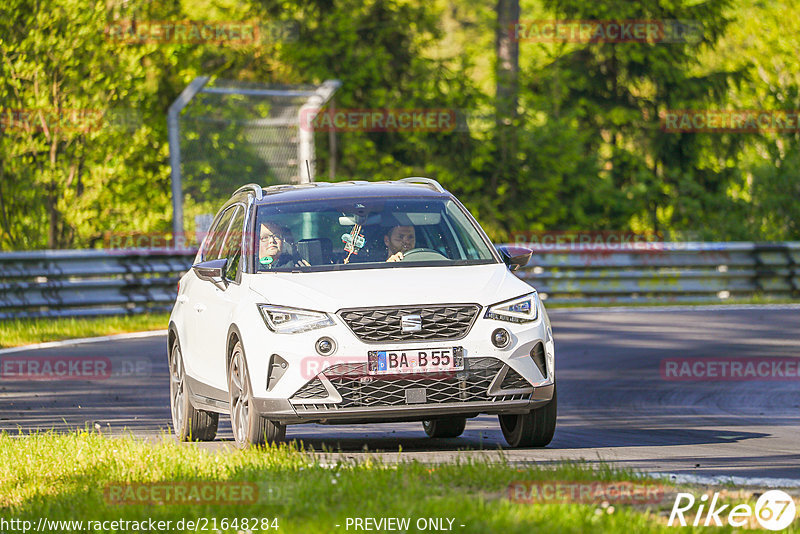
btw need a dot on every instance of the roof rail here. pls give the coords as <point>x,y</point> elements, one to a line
<point>278,187</point>
<point>426,181</point>
<point>252,187</point>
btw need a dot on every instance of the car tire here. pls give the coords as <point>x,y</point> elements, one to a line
<point>249,428</point>
<point>189,423</point>
<point>452,427</point>
<point>533,429</point>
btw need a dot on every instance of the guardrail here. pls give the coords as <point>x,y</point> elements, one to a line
<point>664,272</point>
<point>56,283</point>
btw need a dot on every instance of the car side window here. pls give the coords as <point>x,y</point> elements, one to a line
<point>212,245</point>
<point>232,248</point>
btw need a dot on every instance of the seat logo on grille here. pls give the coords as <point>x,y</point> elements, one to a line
<point>411,323</point>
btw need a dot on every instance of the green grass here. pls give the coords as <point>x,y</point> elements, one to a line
<point>63,477</point>
<point>14,333</point>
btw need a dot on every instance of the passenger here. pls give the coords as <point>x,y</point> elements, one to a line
<point>274,240</point>
<point>399,240</point>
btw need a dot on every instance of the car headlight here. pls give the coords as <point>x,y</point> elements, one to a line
<point>519,310</point>
<point>283,320</point>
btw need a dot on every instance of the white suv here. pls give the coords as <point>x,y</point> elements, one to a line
<point>357,302</point>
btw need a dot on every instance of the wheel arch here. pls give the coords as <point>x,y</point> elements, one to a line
<point>172,335</point>
<point>234,335</point>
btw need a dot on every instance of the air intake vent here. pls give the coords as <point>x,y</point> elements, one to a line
<point>277,366</point>
<point>537,354</point>
<point>312,390</point>
<point>514,380</point>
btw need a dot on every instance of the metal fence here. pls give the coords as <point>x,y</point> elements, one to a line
<point>106,282</point>
<point>223,133</point>
<point>665,272</point>
<point>53,283</point>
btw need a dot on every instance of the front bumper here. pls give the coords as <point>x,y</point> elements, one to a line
<point>338,388</point>
<point>287,413</point>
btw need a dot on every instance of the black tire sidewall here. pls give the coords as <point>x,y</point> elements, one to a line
<point>450,427</point>
<point>534,429</point>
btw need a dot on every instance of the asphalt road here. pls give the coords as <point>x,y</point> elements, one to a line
<point>615,405</point>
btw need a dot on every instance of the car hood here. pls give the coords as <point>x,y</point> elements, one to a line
<point>332,291</point>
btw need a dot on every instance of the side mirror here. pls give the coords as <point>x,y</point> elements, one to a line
<point>212,271</point>
<point>515,257</point>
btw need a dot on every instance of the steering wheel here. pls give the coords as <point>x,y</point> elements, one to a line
<point>423,254</point>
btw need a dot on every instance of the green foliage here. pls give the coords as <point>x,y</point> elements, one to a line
<point>588,149</point>
<point>63,179</point>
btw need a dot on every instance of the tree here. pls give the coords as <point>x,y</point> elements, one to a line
<point>507,73</point>
<point>656,180</point>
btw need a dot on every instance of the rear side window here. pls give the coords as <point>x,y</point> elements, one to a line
<point>212,244</point>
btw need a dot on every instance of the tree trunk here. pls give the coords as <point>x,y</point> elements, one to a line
<point>507,73</point>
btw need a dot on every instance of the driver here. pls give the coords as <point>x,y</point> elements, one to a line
<point>398,241</point>
<point>272,243</point>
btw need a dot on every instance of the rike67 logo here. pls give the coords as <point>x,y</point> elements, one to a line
<point>774,510</point>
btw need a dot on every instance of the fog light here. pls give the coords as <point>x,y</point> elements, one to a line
<point>500,338</point>
<point>325,346</point>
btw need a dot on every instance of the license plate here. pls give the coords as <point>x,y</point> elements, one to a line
<point>395,362</point>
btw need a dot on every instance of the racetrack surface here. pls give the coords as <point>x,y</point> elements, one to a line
<point>614,404</point>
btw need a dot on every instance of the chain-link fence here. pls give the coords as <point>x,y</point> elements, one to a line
<point>224,134</point>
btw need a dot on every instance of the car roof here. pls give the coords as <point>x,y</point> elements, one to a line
<point>355,189</point>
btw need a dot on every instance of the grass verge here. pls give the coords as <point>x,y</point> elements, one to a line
<point>72,477</point>
<point>14,333</point>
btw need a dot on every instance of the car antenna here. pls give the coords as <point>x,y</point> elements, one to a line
<point>308,170</point>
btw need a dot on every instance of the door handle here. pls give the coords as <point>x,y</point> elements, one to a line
<point>199,308</point>
<point>182,299</point>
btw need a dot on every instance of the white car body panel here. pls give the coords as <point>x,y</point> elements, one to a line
<point>205,317</point>
<point>332,291</point>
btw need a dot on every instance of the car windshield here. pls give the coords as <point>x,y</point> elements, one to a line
<point>372,233</point>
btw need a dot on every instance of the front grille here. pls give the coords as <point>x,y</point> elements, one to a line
<point>447,322</point>
<point>358,389</point>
